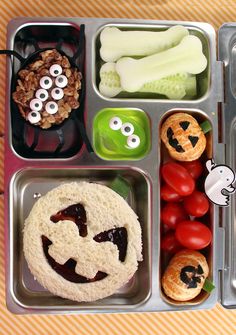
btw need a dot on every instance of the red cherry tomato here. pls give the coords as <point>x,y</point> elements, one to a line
<point>178,178</point>
<point>196,204</point>
<point>193,235</point>
<point>169,195</point>
<point>194,168</point>
<point>172,213</point>
<point>170,244</point>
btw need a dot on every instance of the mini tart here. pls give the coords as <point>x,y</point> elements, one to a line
<point>183,137</point>
<point>185,275</point>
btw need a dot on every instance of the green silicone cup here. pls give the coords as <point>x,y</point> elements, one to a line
<point>121,134</point>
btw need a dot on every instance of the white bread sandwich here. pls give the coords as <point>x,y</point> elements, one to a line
<point>82,241</point>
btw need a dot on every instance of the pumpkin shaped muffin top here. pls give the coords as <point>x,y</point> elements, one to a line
<point>183,137</point>
<point>185,275</point>
<point>82,241</point>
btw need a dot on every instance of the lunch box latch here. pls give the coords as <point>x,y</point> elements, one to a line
<point>220,263</point>
<point>220,70</point>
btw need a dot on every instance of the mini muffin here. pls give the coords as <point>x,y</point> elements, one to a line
<point>82,241</point>
<point>183,137</point>
<point>185,275</point>
<point>48,89</point>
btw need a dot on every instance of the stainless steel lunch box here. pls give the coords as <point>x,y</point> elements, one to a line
<point>26,177</point>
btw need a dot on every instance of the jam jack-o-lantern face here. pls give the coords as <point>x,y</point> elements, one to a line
<point>185,275</point>
<point>82,241</point>
<point>183,137</point>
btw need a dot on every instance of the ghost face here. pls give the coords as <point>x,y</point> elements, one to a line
<point>224,174</point>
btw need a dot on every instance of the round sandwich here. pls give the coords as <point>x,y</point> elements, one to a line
<point>82,241</point>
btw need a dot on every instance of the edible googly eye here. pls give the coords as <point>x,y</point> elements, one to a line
<point>61,81</point>
<point>41,94</point>
<point>55,70</point>
<point>133,141</point>
<point>115,123</point>
<point>45,82</point>
<point>57,93</point>
<point>51,107</point>
<point>127,129</point>
<point>34,117</point>
<point>36,105</point>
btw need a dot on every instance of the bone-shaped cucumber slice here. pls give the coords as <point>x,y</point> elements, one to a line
<point>174,87</point>
<point>116,43</point>
<point>185,57</point>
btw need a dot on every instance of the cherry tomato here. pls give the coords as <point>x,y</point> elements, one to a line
<point>172,213</point>
<point>196,204</point>
<point>178,178</point>
<point>193,234</point>
<point>169,195</point>
<point>194,168</point>
<point>170,244</point>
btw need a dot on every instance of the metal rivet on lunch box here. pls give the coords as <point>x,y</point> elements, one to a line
<point>37,195</point>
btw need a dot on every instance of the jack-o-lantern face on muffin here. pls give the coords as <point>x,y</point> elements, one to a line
<point>183,137</point>
<point>82,241</point>
<point>185,275</point>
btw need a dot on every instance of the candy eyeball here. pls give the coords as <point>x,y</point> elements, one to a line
<point>41,94</point>
<point>51,107</point>
<point>133,141</point>
<point>127,129</point>
<point>34,117</point>
<point>115,123</point>
<point>36,105</point>
<point>55,70</point>
<point>45,82</point>
<point>61,81</point>
<point>57,93</point>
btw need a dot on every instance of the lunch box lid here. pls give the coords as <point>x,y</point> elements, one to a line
<point>227,220</point>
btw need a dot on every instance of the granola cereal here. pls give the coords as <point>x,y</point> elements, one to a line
<point>48,89</point>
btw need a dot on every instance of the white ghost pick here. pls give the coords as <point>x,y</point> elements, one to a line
<point>219,180</point>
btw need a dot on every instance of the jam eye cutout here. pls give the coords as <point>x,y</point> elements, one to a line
<point>51,107</point>
<point>45,82</point>
<point>34,117</point>
<point>133,141</point>
<point>115,123</point>
<point>118,236</point>
<point>41,94</point>
<point>184,125</point>
<point>61,81</point>
<point>36,105</point>
<point>55,70</point>
<point>75,213</point>
<point>127,129</point>
<point>173,141</point>
<point>57,93</point>
<point>193,140</point>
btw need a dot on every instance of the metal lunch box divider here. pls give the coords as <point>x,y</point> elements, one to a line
<point>26,178</point>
